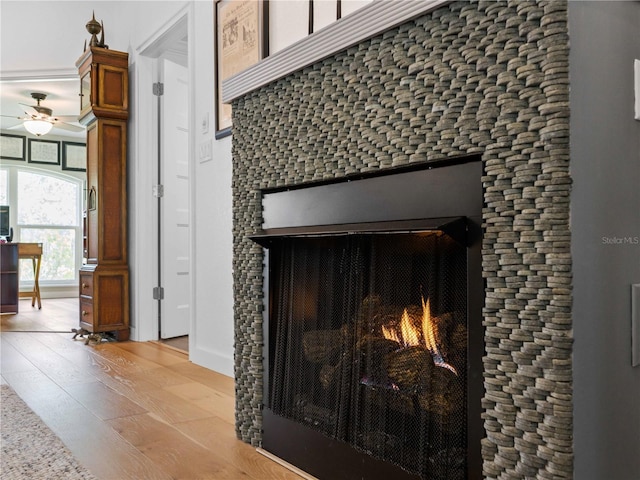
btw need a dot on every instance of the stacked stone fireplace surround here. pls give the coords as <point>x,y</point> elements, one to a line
<point>488,78</point>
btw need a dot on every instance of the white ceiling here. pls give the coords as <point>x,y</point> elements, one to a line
<point>62,98</point>
<point>40,42</point>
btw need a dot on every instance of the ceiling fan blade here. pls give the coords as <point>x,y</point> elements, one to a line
<point>68,126</point>
<point>17,121</point>
<point>29,110</point>
<point>19,126</point>
<point>13,116</point>
<point>66,118</point>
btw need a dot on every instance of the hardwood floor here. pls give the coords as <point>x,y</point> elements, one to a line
<point>128,410</point>
<point>180,343</point>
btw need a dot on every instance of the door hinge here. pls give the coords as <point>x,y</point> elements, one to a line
<point>158,191</point>
<point>158,293</point>
<point>158,89</point>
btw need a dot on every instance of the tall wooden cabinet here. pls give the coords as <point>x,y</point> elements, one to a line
<point>104,278</point>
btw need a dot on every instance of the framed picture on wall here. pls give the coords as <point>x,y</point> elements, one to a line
<point>74,156</point>
<point>241,40</point>
<point>322,13</point>
<point>44,151</point>
<point>12,146</point>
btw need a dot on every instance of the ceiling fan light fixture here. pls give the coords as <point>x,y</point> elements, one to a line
<point>38,127</point>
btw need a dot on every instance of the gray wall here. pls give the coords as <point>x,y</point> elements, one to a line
<point>605,208</point>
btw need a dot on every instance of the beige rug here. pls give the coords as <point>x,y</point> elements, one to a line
<point>30,450</point>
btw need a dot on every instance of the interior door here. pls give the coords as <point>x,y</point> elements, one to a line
<point>175,243</point>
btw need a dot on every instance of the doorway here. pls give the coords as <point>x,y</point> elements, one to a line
<point>167,225</point>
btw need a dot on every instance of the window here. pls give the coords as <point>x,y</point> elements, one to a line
<point>58,256</point>
<point>47,200</point>
<point>45,208</point>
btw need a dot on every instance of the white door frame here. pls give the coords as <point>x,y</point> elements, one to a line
<point>143,224</point>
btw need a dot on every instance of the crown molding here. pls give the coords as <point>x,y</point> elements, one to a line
<point>57,75</point>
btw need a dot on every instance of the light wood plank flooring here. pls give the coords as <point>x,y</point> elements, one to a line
<point>127,410</point>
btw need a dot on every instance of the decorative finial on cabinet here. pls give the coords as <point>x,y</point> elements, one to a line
<point>94,28</point>
<point>101,44</point>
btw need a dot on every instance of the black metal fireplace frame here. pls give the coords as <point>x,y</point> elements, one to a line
<point>445,196</point>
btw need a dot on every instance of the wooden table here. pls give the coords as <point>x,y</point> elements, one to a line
<point>32,251</point>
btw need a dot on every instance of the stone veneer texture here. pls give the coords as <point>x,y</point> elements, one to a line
<point>488,78</point>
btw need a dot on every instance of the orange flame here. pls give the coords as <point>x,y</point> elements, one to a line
<point>428,331</point>
<point>409,335</point>
<point>390,334</point>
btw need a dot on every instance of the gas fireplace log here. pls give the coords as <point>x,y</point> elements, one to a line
<point>441,392</point>
<point>367,353</point>
<point>328,374</point>
<point>409,367</point>
<point>452,341</point>
<point>456,345</point>
<point>369,356</point>
<point>324,346</point>
<point>373,314</point>
<point>388,399</point>
<point>374,347</point>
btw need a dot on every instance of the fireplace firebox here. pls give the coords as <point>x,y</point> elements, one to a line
<point>373,325</point>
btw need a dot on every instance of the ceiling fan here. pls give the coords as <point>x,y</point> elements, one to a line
<point>39,119</point>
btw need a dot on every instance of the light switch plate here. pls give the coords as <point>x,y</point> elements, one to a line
<point>635,325</point>
<point>204,151</point>
<point>205,123</point>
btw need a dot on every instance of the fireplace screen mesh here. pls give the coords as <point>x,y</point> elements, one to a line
<point>368,344</point>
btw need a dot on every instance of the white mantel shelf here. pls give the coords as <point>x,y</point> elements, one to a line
<point>365,23</point>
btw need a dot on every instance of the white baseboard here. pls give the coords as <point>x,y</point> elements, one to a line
<point>70,291</point>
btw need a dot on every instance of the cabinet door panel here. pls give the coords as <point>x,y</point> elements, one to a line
<point>86,285</point>
<point>113,298</point>
<point>86,314</point>
<point>113,192</point>
<point>113,93</point>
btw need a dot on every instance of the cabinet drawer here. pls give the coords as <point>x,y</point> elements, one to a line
<point>86,312</point>
<point>86,285</point>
